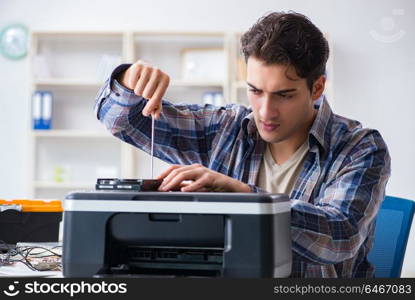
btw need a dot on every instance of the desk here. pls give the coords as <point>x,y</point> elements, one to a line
<point>19,269</point>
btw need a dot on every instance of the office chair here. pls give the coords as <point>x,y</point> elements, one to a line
<point>393,225</point>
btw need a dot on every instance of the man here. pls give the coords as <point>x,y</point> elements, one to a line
<point>290,141</point>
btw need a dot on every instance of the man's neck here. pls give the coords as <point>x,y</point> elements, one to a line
<point>282,151</point>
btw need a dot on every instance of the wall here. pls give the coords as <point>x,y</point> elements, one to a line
<point>372,77</point>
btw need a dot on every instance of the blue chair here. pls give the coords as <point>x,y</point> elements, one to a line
<point>393,225</point>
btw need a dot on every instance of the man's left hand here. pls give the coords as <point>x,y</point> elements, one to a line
<point>201,179</point>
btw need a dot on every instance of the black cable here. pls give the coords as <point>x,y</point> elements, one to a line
<point>30,249</point>
<point>25,253</point>
<point>29,265</point>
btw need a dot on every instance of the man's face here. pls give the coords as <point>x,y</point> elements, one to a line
<point>282,106</point>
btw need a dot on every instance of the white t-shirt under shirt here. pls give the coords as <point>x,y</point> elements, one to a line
<point>276,178</point>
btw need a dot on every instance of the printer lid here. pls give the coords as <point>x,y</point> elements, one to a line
<point>177,202</point>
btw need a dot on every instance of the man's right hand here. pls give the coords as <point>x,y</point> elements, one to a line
<point>146,81</point>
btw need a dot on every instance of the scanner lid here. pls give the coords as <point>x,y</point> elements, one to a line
<point>177,202</point>
<point>177,196</point>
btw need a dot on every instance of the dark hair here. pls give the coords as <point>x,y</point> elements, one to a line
<point>288,38</point>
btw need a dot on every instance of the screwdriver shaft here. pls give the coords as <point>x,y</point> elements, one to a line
<point>152,146</point>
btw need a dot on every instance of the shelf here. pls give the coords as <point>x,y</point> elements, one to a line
<point>67,82</point>
<point>181,34</point>
<point>80,82</point>
<point>184,83</point>
<point>63,185</point>
<point>71,133</point>
<point>81,33</point>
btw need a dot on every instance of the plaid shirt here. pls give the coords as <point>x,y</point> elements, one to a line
<point>334,200</point>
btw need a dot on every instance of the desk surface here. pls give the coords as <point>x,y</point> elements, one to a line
<point>19,269</point>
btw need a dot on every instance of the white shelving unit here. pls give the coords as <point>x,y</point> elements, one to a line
<point>74,65</point>
<point>71,65</point>
<point>71,133</point>
<point>77,149</point>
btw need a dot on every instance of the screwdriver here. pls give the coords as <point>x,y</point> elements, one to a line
<point>152,146</point>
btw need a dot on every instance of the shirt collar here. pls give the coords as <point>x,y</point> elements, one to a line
<point>322,123</point>
<point>249,126</point>
<point>318,130</point>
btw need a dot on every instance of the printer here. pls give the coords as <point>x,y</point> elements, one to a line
<point>176,234</point>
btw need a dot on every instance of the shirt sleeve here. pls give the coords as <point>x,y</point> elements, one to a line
<point>184,133</point>
<point>334,228</point>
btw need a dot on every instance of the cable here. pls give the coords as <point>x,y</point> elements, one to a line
<point>27,254</point>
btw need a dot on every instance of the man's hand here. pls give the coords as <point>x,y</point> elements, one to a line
<point>202,180</point>
<point>148,82</point>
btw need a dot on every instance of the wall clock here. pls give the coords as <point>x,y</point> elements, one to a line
<point>14,41</point>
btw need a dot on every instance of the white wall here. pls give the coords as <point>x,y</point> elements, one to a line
<point>372,78</point>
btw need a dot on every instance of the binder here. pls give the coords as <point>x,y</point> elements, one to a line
<point>42,102</point>
<point>47,110</point>
<point>37,110</point>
